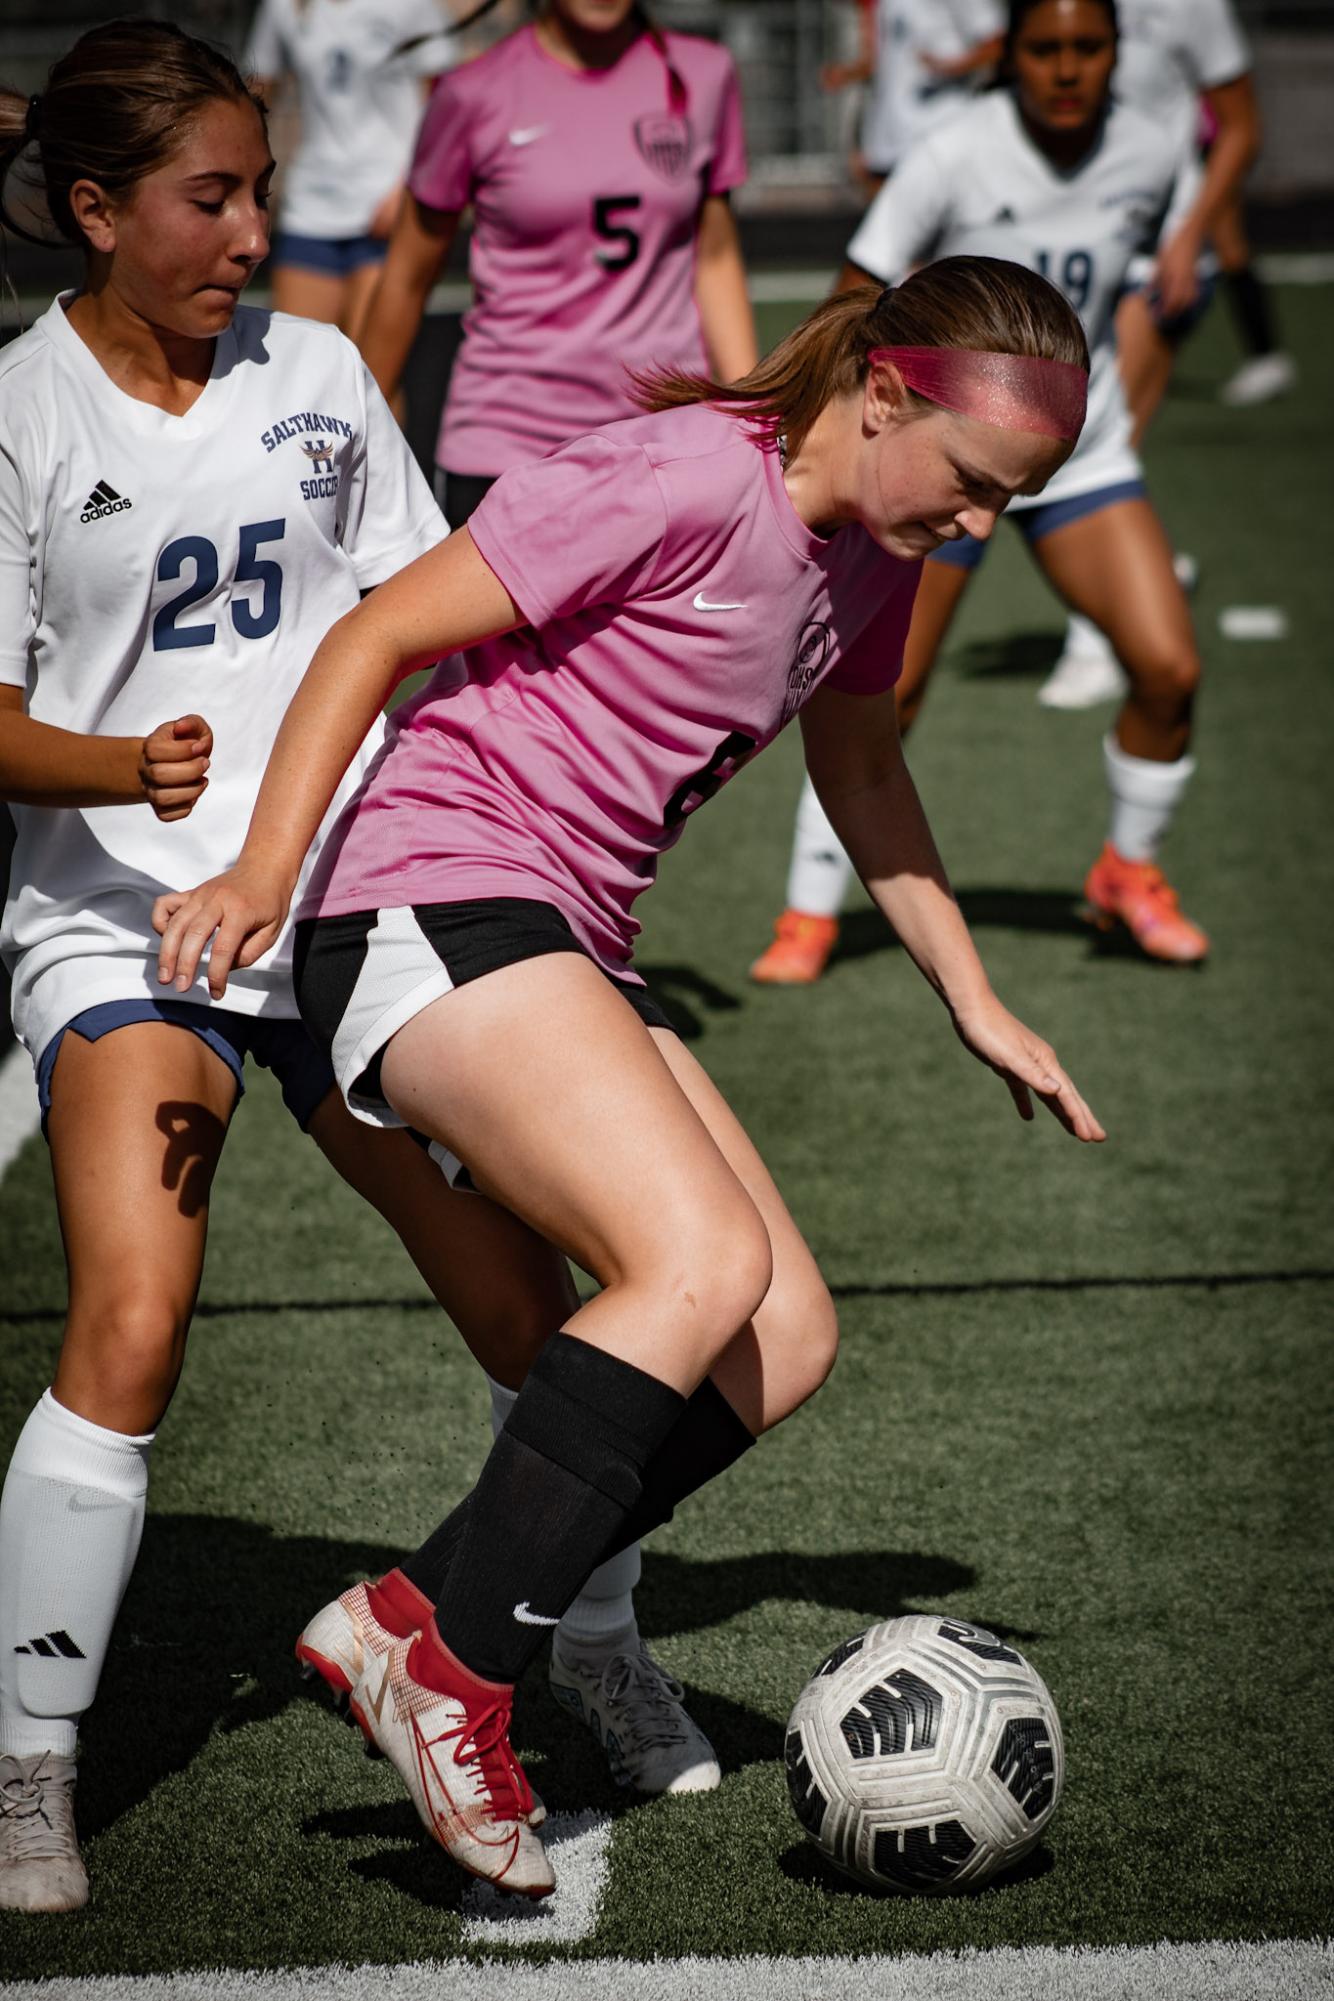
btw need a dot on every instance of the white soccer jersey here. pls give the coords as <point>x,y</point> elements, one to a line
<point>906,100</point>
<point>154,566</point>
<point>1171,50</point>
<point>980,187</point>
<point>360,103</point>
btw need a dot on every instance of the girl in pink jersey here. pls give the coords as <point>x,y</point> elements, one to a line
<point>638,614</point>
<point>597,154</point>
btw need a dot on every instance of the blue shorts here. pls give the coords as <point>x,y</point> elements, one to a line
<point>285,1047</point>
<point>1034,523</point>
<point>334,256</point>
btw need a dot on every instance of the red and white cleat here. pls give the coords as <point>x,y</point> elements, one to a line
<point>1138,895</point>
<point>341,1641</point>
<point>450,1746</point>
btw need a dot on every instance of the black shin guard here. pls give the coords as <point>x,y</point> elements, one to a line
<point>706,1439</point>
<point>559,1482</point>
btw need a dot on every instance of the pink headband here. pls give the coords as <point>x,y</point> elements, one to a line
<point>1017,392</point>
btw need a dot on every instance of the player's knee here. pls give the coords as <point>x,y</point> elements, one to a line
<point>1166,678</point>
<point>721,1266</point>
<point>805,1337</point>
<point>131,1360</point>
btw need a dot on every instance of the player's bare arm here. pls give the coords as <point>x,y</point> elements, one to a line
<point>418,247</point>
<point>720,292</point>
<point>855,758</point>
<point>41,765</point>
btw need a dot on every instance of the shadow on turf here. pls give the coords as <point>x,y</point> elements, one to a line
<point>685,996</point>
<point>1022,656</point>
<point>205,1643</point>
<point>803,1863</point>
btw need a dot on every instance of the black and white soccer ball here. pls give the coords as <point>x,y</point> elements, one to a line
<point>924,1755</point>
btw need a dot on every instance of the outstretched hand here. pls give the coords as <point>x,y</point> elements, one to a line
<point>242,911</point>
<point>1026,1065</point>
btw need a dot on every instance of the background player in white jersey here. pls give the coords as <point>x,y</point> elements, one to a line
<point>358,68</point>
<point>1179,60</point>
<point>1073,182</point>
<point>190,494</point>
<point>1176,58</point>
<point>920,60</point>
<point>597,153</point>
<point>527,806</point>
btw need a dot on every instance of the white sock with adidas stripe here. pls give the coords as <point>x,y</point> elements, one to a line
<point>71,1516</point>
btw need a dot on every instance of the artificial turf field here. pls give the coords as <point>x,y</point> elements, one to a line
<point>1084,1396</point>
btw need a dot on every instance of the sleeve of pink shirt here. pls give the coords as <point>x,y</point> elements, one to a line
<point>727,169</point>
<point>441,172</point>
<point>582,527</point>
<point>874,661</point>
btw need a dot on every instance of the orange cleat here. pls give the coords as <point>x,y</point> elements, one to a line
<point>1138,895</point>
<point>799,953</point>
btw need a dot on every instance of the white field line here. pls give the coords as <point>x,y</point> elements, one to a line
<point>19,1114</point>
<point>1278,1970</point>
<point>582,1839</point>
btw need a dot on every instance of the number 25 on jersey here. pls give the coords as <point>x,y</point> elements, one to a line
<point>253,619</point>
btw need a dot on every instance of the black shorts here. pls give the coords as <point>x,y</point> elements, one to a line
<point>457,493</point>
<point>362,977</point>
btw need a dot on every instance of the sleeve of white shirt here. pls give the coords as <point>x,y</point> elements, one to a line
<point>387,515</point>
<point>906,219</point>
<point>437,50</point>
<point>16,606</point>
<point>265,53</point>
<point>980,20</point>
<point>1218,49</point>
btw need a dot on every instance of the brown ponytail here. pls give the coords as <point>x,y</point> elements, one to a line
<point>980,303</point>
<point>114,109</point>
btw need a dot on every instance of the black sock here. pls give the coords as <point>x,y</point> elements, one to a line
<point>559,1482</point>
<point>705,1440</point>
<point>1251,310</point>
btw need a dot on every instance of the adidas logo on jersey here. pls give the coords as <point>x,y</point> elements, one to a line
<point>1005,214</point>
<point>54,1646</point>
<point>103,500</point>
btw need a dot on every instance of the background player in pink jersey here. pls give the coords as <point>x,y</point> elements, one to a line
<point>597,154</point>
<point>640,612</point>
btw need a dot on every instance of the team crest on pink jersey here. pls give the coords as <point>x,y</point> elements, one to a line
<point>666,142</point>
<point>811,655</point>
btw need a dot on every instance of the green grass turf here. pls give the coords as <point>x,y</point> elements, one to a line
<point>1060,1410</point>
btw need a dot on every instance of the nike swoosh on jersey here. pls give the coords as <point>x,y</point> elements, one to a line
<point>527,1618</point>
<point>524,135</point>
<point>702,603</point>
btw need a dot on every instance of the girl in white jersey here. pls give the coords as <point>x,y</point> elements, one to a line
<point>640,612</point>
<point>358,68</point>
<point>190,493</point>
<point>1074,183</point>
<point>597,154</point>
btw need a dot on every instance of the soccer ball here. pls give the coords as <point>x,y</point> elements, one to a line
<point>924,1755</point>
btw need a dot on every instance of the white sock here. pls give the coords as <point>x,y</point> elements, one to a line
<point>71,1516</point>
<point>1086,639</point>
<point>818,878</point>
<point>604,1612</point>
<point>1145,795</point>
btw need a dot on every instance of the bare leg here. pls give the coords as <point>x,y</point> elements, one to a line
<point>358,291</point>
<point>504,1288</point>
<point>939,595</point>
<point>1116,568</point>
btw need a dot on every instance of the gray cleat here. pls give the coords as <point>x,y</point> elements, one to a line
<point>41,1868</point>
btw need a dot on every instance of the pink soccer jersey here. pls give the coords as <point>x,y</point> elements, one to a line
<point>586,188</point>
<point>680,613</point>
